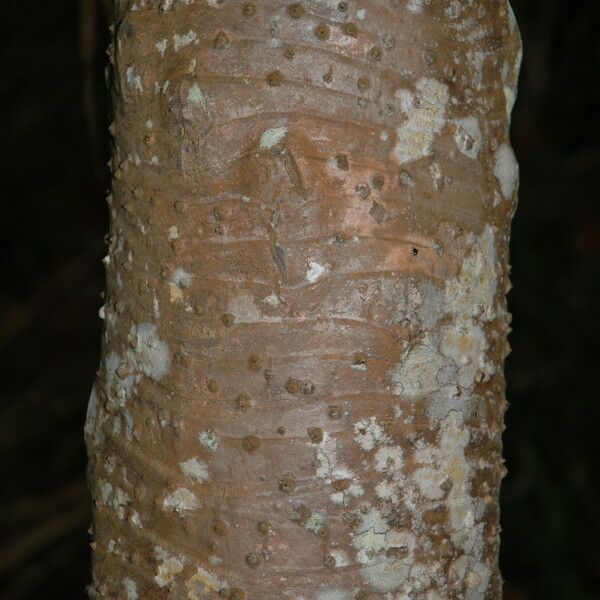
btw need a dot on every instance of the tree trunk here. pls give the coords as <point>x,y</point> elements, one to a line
<point>301,393</point>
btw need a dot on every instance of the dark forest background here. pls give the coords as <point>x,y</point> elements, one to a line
<point>53,218</point>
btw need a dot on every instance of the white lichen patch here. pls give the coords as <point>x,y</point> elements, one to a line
<point>388,490</point>
<point>133,80</point>
<point>327,467</point>
<point>334,594</point>
<point>181,278</point>
<point>134,517</point>
<point>453,9</point>
<point>168,568</point>
<point>506,170</point>
<point>315,271</point>
<point>326,457</point>
<point>181,500</point>
<point>389,459</point>
<point>445,467</point>
<point>150,354</point>
<point>446,363</point>
<point>472,293</point>
<point>179,281</point>
<point>195,468</point>
<point>368,433</point>
<point>245,309</point>
<point>161,46</point>
<point>272,137</point>
<point>130,587</point>
<point>359,367</point>
<point>197,96</point>
<point>416,6</point>
<point>272,300</point>
<point>510,74</point>
<point>468,136</point>
<point>94,419</point>
<point>373,541</point>
<point>181,41</point>
<point>425,116</point>
<point>208,439</point>
<point>465,345</point>
<point>117,499</point>
<point>315,523</point>
<point>416,373</point>
<point>370,536</point>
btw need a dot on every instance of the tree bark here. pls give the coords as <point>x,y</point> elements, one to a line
<point>301,392</point>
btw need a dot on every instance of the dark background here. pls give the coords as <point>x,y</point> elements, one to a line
<point>53,218</point>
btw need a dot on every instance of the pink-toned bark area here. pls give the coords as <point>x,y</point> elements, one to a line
<point>301,393</point>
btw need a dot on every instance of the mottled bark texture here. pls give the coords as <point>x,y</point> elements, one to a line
<point>301,393</point>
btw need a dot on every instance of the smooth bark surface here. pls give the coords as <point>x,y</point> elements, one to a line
<point>301,393</point>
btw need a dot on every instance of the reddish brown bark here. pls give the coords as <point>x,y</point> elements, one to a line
<point>301,390</point>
